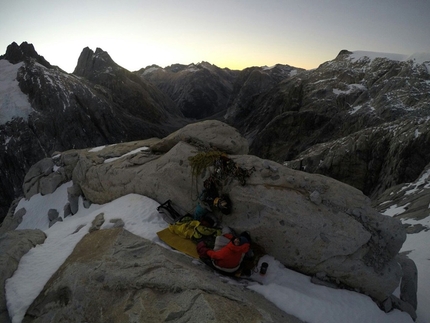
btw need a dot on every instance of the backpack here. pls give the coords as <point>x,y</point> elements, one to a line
<point>168,208</point>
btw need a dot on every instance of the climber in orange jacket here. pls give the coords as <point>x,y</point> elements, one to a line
<point>229,257</point>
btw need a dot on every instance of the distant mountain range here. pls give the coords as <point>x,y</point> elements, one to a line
<point>361,118</point>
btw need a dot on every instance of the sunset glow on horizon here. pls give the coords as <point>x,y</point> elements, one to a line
<point>227,33</point>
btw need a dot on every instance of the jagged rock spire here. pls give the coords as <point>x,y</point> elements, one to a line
<point>90,61</point>
<point>25,51</point>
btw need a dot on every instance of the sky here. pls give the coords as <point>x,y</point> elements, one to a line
<point>290,291</point>
<point>228,33</point>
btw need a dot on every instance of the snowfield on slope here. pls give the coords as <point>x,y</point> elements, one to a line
<point>13,103</point>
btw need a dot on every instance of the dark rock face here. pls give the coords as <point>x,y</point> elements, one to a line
<point>200,90</point>
<point>137,97</point>
<point>204,90</point>
<point>373,159</point>
<point>335,105</point>
<point>250,84</point>
<point>102,104</point>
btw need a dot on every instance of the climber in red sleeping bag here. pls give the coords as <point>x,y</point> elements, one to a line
<point>228,252</point>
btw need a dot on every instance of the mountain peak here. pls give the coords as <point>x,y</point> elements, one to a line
<point>344,52</point>
<point>25,51</point>
<point>90,61</point>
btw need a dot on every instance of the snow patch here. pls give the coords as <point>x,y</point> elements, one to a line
<point>133,152</point>
<point>293,293</point>
<point>13,103</point>
<point>358,55</point>
<point>417,133</point>
<point>355,109</point>
<point>422,182</point>
<point>420,58</point>
<point>294,72</point>
<point>395,210</point>
<point>417,58</point>
<point>192,69</point>
<point>151,69</point>
<point>6,141</point>
<point>351,88</point>
<point>268,68</point>
<point>96,149</point>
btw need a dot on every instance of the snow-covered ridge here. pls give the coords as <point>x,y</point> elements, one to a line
<point>13,103</point>
<point>151,69</point>
<point>418,58</point>
<point>351,88</point>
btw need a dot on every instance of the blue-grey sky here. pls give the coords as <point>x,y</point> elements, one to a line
<point>227,33</point>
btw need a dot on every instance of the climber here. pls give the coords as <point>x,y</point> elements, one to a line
<point>227,254</point>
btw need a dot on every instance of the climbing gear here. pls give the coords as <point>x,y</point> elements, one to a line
<point>224,170</point>
<point>223,203</point>
<point>203,160</point>
<point>167,209</point>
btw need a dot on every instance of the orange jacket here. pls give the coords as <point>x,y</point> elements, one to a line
<point>229,256</point>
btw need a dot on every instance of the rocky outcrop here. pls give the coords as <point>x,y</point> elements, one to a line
<point>409,285</point>
<point>131,279</point>
<point>408,289</point>
<point>311,223</point>
<point>13,245</point>
<point>206,135</point>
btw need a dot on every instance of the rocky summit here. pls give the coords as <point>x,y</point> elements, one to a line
<point>311,223</point>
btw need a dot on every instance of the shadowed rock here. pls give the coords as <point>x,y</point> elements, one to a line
<point>127,278</point>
